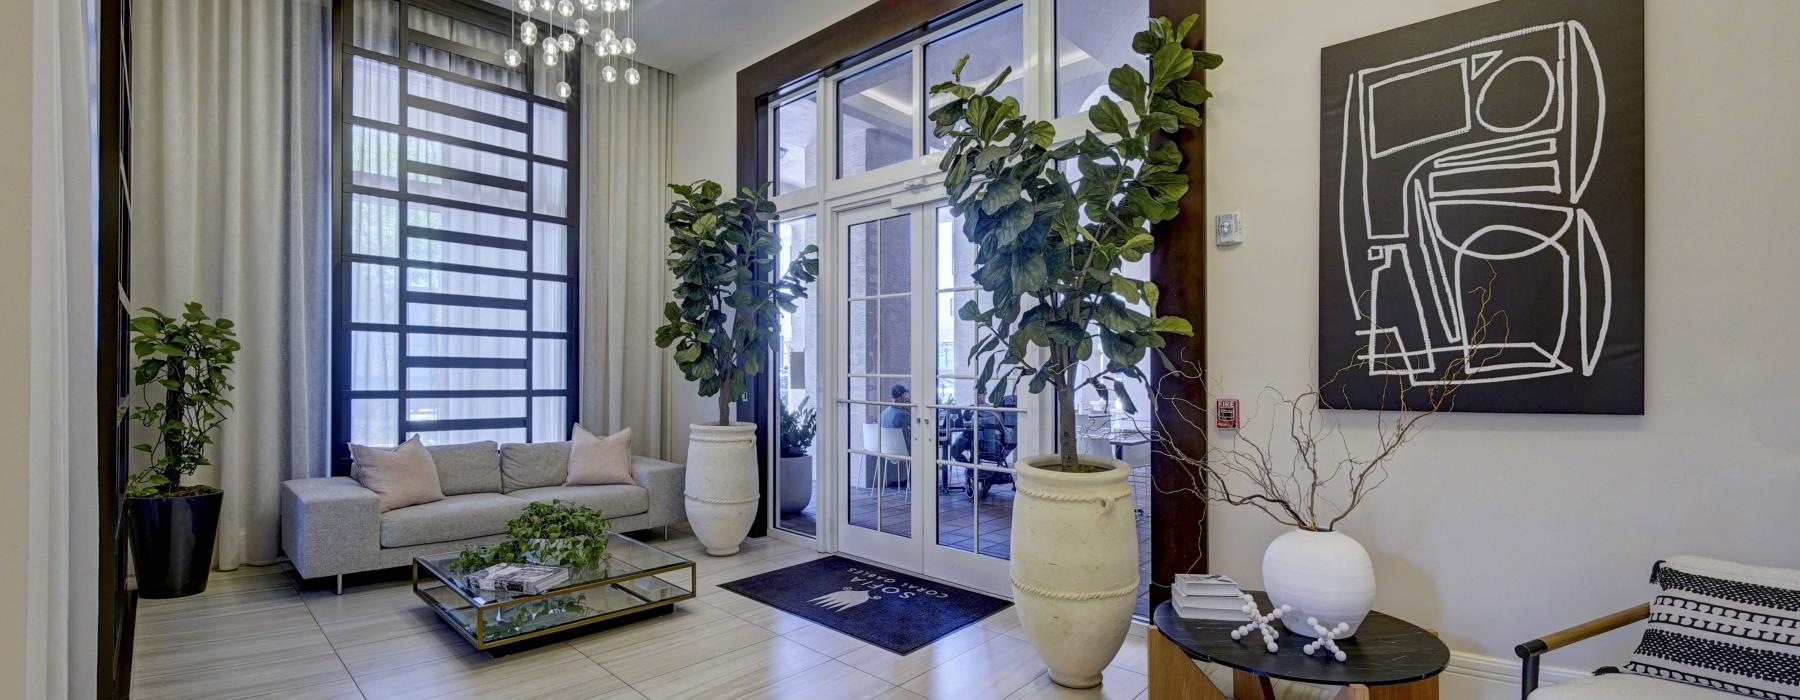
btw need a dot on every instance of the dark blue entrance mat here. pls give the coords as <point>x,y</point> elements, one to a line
<point>895,611</point>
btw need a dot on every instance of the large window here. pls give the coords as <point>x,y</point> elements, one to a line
<point>455,233</point>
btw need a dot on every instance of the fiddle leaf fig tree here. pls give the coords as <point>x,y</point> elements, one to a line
<point>724,316</point>
<point>1050,252</point>
<point>187,359</point>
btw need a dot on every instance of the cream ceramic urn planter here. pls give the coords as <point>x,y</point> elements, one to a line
<point>1074,564</point>
<point>1320,574</point>
<point>721,484</point>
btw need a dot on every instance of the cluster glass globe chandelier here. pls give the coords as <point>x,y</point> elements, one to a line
<point>557,29</point>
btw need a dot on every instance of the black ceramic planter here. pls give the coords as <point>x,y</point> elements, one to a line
<point>172,543</point>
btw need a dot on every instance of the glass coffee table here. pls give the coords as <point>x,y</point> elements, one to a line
<point>636,580</point>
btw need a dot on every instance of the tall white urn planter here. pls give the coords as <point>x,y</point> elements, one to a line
<point>1326,575</point>
<point>721,484</point>
<point>1074,565</point>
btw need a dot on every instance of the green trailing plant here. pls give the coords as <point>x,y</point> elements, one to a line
<point>798,427</point>
<point>725,311</point>
<point>514,620</point>
<point>1050,252</point>
<point>188,359</point>
<point>557,533</point>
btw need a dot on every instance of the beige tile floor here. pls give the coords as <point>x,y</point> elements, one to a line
<point>256,634</point>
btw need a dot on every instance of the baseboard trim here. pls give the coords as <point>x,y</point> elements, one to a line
<point>1494,669</point>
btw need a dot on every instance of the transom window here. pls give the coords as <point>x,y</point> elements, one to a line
<point>455,300</point>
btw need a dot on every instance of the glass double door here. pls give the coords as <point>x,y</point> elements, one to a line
<point>925,473</point>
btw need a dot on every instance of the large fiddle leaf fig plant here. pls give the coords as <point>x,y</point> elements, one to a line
<point>1050,252</point>
<point>725,312</point>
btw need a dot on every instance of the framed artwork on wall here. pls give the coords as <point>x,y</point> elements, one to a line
<point>1481,217</point>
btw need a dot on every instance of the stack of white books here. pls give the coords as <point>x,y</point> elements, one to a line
<point>529,579</point>
<point>1208,597</point>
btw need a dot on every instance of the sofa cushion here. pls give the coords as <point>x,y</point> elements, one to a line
<point>613,500</point>
<point>467,468</point>
<point>1624,686</point>
<point>1723,626</point>
<point>454,518</point>
<point>402,475</point>
<point>595,461</point>
<point>534,465</point>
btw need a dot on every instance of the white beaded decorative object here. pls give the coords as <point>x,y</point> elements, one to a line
<point>1327,639</point>
<point>1260,622</point>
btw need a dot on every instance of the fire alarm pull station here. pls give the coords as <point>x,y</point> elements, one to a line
<point>1225,414</point>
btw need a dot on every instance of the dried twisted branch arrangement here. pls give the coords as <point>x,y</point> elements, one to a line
<point>1299,465</point>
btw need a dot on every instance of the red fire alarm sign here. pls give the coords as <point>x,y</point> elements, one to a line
<point>1225,414</point>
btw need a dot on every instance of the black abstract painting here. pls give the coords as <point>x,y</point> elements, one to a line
<point>1482,211</point>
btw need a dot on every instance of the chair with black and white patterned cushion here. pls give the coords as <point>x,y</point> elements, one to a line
<point>1717,629</point>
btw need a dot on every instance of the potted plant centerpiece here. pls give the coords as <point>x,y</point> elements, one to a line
<point>1050,255</point>
<point>173,525</point>
<point>798,428</point>
<point>721,323</point>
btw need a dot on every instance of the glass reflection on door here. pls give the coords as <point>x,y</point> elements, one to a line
<point>796,387</point>
<point>977,446</point>
<point>880,397</point>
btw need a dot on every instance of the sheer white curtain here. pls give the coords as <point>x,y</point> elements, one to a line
<point>230,180</point>
<point>625,161</point>
<point>62,577</point>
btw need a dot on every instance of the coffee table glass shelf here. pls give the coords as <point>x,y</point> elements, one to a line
<point>634,578</point>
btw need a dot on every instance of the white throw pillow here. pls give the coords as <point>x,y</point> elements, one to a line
<point>403,475</point>
<point>597,461</point>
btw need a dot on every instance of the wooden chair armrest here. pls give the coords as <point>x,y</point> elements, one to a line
<point>1557,640</point>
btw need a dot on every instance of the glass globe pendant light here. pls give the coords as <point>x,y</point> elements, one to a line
<point>609,74</point>
<point>629,47</point>
<point>624,5</point>
<point>631,76</point>
<point>526,6</point>
<point>610,6</point>
<point>565,8</point>
<point>513,59</point>
<point>581,27</point>
<point>566,42</point>
<point>549,53</point>
<point>564,91</point>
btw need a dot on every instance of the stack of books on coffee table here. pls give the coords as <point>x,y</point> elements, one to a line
<point>529,579</point>
<point>1208,597</point>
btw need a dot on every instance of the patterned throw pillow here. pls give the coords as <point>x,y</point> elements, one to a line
<point>1724,626</point>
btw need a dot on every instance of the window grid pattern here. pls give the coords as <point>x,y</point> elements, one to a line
<point>455,312</point>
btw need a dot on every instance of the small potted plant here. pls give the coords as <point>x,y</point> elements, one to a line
<point>722,324</point>
<point>1051,255</point>
<point>557,533</point>
<point>798,428</point>
<point>173,525</point>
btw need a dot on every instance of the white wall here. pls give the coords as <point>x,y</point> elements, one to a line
<point>706,146</point>
<point>1498,528</point>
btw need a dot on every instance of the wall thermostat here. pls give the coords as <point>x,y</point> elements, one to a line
<point>1225,414</point>
<point>1229,228</point>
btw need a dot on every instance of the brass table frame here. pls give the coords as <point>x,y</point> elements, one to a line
<point>478,608</point>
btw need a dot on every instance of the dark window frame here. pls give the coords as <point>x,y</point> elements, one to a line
<point>343,189</point>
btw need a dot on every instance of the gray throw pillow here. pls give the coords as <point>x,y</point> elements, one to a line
<point>534,465</point>
<point>467,468</point>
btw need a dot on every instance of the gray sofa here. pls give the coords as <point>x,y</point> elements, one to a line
<point>333,526</point>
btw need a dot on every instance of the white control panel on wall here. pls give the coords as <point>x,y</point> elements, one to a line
<point>1229,229</point>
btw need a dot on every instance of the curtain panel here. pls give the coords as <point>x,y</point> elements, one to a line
<point>230,208</point>
<point>625,162</point>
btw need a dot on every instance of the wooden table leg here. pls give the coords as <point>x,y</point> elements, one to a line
<point>1419,690</point>
<point>1249,686</point>
<point>1173,676</point>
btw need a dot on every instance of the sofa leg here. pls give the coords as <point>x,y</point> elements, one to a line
<point>340,584</point>
<point>665,532</point>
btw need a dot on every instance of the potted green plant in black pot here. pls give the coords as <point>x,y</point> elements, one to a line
<point>181,378</point>
<point>798,428</point>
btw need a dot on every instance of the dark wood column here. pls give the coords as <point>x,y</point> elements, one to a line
<point>1178,267</point>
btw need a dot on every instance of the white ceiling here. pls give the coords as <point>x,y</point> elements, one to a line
<point>676,35</point>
